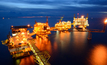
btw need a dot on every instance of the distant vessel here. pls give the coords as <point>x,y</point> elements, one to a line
<point>3,17</point>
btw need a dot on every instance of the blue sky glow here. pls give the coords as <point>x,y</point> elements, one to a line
<point>51,7</point>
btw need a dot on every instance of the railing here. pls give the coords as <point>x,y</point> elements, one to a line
<point>39,57</point>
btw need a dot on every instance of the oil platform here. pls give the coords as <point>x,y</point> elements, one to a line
<point>21,43</point>
<point>63,25</point>
<point>41,29</point>
<point>82,22</point>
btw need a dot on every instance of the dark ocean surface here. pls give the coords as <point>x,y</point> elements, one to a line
<point>66,48</point>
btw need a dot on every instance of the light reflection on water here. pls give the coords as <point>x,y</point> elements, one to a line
<point>98,55</point>
<point>69,47</point>
<point>62,39</point>
<point>77,40</point>
<point>44,45</point>
<point>25,61</point>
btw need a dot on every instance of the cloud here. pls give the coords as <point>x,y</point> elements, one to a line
<point>96,2</point>
<point>25,5</point>
<point>103,12</point>
<point>82,5</point>
<point>51,7</point>
<point>52,4</point>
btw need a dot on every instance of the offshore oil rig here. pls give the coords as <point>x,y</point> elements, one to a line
<point>82,22</point>
<point>21,43</point>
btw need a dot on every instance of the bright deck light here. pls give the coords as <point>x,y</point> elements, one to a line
<point>28,25</point>
<point>22,33</point>
<point>82,16</point>
<point>106,21</point>
<point>12,26</point>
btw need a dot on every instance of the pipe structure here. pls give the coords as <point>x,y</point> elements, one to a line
<point>96,30</point>
<point>105,25</point>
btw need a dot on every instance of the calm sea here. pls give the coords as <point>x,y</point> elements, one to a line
<point>65,48</point>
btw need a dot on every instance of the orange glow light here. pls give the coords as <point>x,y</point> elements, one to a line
<point>28,25</point>
<point>22,41</point>
<point>106,21</point>
<point>44,44</point>
<point>12,26</point>
<point>23,33</point>
<point>98,55</point>
<point>82,16</point>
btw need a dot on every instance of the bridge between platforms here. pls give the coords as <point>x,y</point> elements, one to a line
<point>39,57</point>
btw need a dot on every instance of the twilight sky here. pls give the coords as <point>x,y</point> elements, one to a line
<point>95,8</point>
